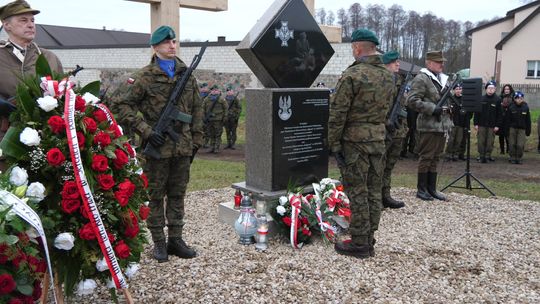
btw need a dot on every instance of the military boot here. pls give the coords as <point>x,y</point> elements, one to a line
<point>160,252</point>
<point>372,242</point>
<point>389,202</point>
<point>432,186</point>
<point>421,185</point>
<point>176,246</point>
<point>350,249</point>
<point>232,146</point>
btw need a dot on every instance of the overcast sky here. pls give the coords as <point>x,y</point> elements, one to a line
<point>240,17</point>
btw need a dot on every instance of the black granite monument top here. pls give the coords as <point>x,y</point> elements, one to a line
<point>286,48</point>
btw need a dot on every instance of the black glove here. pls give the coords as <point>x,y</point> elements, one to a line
<point>340,159</point>
<point>156,139</point>
<point>437,111</point>
<point>6,107</point>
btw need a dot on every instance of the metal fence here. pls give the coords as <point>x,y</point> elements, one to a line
<point>531,91</point>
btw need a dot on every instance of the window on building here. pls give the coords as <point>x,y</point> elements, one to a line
<point>533,68</point>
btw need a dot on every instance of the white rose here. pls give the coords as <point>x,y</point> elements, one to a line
<point>283,200</point>
<point>86,287</point>
<point>29,137</point>
<point>18,176</point>
<point>36,192</point>
<point>101,265</point>
<point>131,270</point>
<point>47,103</point>
<point>90,99</point>
<point>110,284</point>
<point>64,241</point>
<point>281,210</point>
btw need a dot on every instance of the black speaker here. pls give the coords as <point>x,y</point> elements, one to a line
<point>472,95</point>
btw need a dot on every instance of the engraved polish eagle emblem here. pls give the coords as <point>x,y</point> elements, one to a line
<point>284,34</point>
<point>285,111</point>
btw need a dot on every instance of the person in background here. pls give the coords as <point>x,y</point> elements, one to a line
<point>215,115</point>
<point>234,109</point>
<point>460,118</point>
<point>488,122</point>
<point>204,91</point>
<point>409,142</point>
<point>518,119</point>
<point>507,95</point>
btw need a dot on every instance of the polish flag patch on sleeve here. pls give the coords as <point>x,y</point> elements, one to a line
<point>130,80</point>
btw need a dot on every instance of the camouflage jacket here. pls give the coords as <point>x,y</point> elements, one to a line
<point>219,112</point>
<point>402,131</point>
<point>147,93</point>
<point>423,97</point>
<point>234,109</point>
<point>359,107</point>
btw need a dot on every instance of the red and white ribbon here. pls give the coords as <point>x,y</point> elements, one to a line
<point>54,88</point>
<point>86,194</point>
<point>296,204</point>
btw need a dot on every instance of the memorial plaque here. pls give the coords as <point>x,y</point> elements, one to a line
<point>286,48</point>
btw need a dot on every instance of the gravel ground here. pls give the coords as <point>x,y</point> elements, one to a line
<point>468,250</point>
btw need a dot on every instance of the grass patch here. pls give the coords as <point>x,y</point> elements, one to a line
<point>211,174</point>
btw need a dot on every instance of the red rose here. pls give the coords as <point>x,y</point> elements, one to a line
<point>87,233</point>
<point>306,231</point>
<point>81,139</point>
<point>7,284</point>
<point>132,227</point>
<point>100,115</point>
<point>116,130</point>
<point>129,149</point>
<point>41,267</point>
<point>121,159</point>
<point>55,157</point>
<point>122,197</point>
<point>127,186</point>
<point>21,257</point>
<point>23,239</point>
<point>83,212</point>
<point>304,220</point>
<point>111,237</point>
<point>339,188</point>
<point>144,211</point>
<point>100,163</point>
<point>57,124</point>
<point>15,301</point>
<point>122,250</point>
<point>80,104</point>
<point>70,190</point>
<point>145,180</point>
<point>36,293</point>
<point>105,181</point>
<point>103,139</point>
<point>90,124</point>
<point>3,259</point>
<point>287,220</point>
<point>70,205</point>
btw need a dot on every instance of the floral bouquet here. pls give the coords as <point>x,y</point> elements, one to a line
<point>22,265</point>
<point>95,190</point>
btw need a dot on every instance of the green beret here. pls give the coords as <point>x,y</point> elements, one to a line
<point>390,56</point>
<point>16,8</point>
<point>163,32</point>
<point>364,35</point>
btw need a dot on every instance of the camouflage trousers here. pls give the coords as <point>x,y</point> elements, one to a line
<point>516,143</point>
<point>361,178</point>
<point>167,178</point>
<point>230,130</point>
<point>430,149</point>
<point>453,147</point>
<point>215,129</point>
<point>391,156</point>
<point>486,139</point>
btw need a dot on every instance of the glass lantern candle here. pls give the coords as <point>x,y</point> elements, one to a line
<point>237,199</point>
<point>246,224</point>
<point>262,226</point>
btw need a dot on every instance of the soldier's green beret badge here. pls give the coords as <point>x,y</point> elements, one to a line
<point>364,34</point>
<point>390,56</point>
<point>163,32</point>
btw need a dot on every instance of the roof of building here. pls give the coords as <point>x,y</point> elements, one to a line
<point>523,23</point>
<point>509,15</point>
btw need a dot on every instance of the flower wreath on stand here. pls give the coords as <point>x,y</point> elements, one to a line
<point>96,198</point>
<point>22,265</point>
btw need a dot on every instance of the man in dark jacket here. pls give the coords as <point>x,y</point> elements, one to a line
<point>518,120</point>
<point>488,122</point>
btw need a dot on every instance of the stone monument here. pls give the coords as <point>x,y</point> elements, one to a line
<point>286,122</point>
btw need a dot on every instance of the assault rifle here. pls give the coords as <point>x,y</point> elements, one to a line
<point>397,111</point>
<point>170,112</point>
<point>446,93</point>
<point>209,113</point>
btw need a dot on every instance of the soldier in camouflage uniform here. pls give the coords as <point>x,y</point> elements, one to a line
<point>356,130</point>
<point>204,91</point>
<point>393,140</point>
<point>234,108</point>
<point>432,123</point>
<point>149,90</point>
<point>215,111</point>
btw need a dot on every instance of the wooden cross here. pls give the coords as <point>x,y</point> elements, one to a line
<point>165,12</point>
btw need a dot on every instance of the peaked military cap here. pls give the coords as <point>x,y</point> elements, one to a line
<point>364,34</point>
<point>163,32</point>
<point>435,56</point>
<point>390,56</point>
<point>519,94</point>
<point>16,8</point>
<point>490,83</point>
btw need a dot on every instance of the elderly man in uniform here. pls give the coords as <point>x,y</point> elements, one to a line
<point>356,131</point>
<point>149,90</point>
<point>18,56</point>
<point>215,109</point>
<point>394,140</point>
<point>432,123</point>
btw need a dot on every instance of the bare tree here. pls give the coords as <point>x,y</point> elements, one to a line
<point>331,18</point>
<point>375,15</point>
<point>343,21</point>
<point>395,19</point>
<point>321,14</point>
<point>355,15</point>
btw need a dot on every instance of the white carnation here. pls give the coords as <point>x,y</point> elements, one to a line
<point>29,137</point>
<point>131,270</point>
<point>18,176</point>
<point>110,284</point>
<point>101,265</point>
<point>36,192</point>
<point>90,98</point>
<point>283,200</point>
<point>281,210</point>
<point>86,287</point>
<point>64,241</point>
<point>47,103</point>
